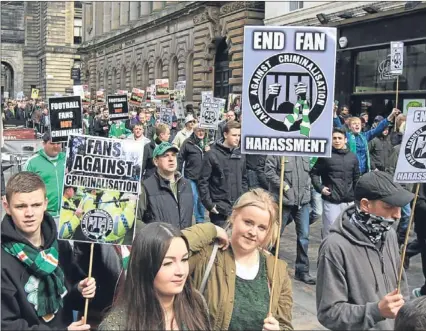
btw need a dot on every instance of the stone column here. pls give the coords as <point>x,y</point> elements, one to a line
<point>115,15</point>
<point>145,8</point>
<point>98,18</point>
<point>134,10</point>
<point>107,16</point>
<point>157,5</point>
<point>124,12</point>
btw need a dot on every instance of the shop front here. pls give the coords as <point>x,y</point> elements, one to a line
<point>363,80</point>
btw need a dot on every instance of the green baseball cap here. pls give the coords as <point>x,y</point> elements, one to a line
<point>163,148</point>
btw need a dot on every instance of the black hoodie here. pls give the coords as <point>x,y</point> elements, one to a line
<point>17,313</point>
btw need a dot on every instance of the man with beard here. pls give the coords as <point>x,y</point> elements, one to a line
<point>358,262</point>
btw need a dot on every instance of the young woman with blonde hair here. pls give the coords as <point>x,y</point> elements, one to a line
<point>237,288</point>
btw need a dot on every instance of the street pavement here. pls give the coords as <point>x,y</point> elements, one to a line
<point>304,307</point>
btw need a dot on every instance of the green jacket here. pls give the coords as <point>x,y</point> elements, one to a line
<point>52,175</point>
<point>117,129</point>
<point>220,289</point>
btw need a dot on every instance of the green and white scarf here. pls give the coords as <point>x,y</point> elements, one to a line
<point>43,265</point>
<point>305,125</point>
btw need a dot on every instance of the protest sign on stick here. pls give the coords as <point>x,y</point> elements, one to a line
<point>210,112</point>
<point>100,96</point>
<point>65,117</point>
<point>137,96</point>
<point>411,165</point>
<point>34,93</point>
<point>101,189</point>
<point>397,63</point>
<point>166,116</point>
<point>162,89</point>
<point>288,86</point>
<point>118,107</point>
<point>180,90</point>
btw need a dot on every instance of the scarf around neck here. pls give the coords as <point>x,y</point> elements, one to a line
<point>374,227</point>
<point>49,278</point>
<point>199,142</point>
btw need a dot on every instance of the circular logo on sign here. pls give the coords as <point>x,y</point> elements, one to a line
<point>209,116</point>
<point>415,149</point>
<point>97,224</point>
<point>288,92</point>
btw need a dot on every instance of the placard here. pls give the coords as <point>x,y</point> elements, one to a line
<point>411,166</point>
<point>180,90</point>
<point>118,107</point>
<point>210,112</point>
<point>162,89</point>
<point>397,57</point>
<point>100,96</point>
<point>34,93</point>
<point>288,88</point>
<point>179,109</point>
<point>101,188</point>
<point>65,117</point>
<point>86,95</point>
<point>409,103</point>
<point>136,97</point>
<point>166,116</point>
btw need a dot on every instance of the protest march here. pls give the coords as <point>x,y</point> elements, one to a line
<point>265,199</point>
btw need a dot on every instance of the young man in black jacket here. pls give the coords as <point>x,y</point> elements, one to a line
<point>39,281</point>
<point>335,179</point>
<point>223,176</point>
<point>190,160</point>
<point>380,151</point>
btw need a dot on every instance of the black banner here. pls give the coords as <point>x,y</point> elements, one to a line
<point>65,117</point>
<point>118,107</point>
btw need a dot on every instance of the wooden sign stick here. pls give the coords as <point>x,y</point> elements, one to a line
<point>397,91</point>
<point>86,305</point>
<point>280,221</point>
<point>407,236</point>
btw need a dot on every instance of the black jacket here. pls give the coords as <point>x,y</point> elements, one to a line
<point>420,212</point>
<point>3,185</point>
<point>339,173</point>
<point>223,178</point>
<point>256,162</point>
<point>396,138</point>
<point>98,127</point>
<point>17,313</point>
<point>380,152</point>
<point>148,167</point>
<point>158,204</point>
<point>192,156</point>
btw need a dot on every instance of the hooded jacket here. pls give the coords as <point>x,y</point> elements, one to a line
<point>297,183</point>
<point>354,275</point>
<point>223,178</point>
<point>148,166</point>
<point>52,174</point>
<point>380,152</point>
<point>17,313</point>
<point>192,155</point>
<point>339,173</point>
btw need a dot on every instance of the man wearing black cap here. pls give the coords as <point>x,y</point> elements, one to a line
<point>359,261</point>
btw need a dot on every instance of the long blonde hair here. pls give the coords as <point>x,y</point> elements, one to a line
<point>401,118</point>
<point>264,200</point>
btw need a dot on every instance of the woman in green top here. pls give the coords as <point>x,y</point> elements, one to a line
<point>157,294</point>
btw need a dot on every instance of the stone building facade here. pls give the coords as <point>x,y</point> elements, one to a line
<point>38,47</point>
<point>130,44</point>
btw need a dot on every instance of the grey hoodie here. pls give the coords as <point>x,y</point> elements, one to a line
<point>353,276</point>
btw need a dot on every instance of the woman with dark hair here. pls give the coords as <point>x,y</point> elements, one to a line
<point>157,294</point>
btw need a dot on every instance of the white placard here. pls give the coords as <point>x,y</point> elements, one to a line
<point>397,57</point>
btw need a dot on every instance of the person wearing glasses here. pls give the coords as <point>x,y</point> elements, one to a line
<point>185,133</point>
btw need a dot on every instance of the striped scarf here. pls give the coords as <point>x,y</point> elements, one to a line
<point>50,283</point>
<point>305,126</point>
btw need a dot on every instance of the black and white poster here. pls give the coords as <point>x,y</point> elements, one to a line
<point>288,90</point>
<point>118,107</point>
<point>397,57</point>
<point>210,111</point>
<point>65,117</point>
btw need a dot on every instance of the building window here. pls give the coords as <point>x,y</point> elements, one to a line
<point>123,78</point>
<point>78,30</point>
<point>78,4</point>
<point>189,77</point>
<point>294,5</point>
<point>145,75</point>
<point>372,70</point>
<point>221,72</point>
<point>134,76</point>
<point>159,69</point>
<point>174,72</point>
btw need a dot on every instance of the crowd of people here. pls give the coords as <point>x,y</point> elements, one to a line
<point>207,227</point>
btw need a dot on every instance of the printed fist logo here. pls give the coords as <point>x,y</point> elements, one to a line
<point>415,149</point>
<point>209,116</point>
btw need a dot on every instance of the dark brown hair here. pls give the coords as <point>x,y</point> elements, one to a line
<point>231,125</point>
<point>24,182</point>
<point>139,300</point>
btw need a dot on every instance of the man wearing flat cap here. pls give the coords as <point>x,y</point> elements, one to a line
<point>358,262</point>
<point>166,196</point>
